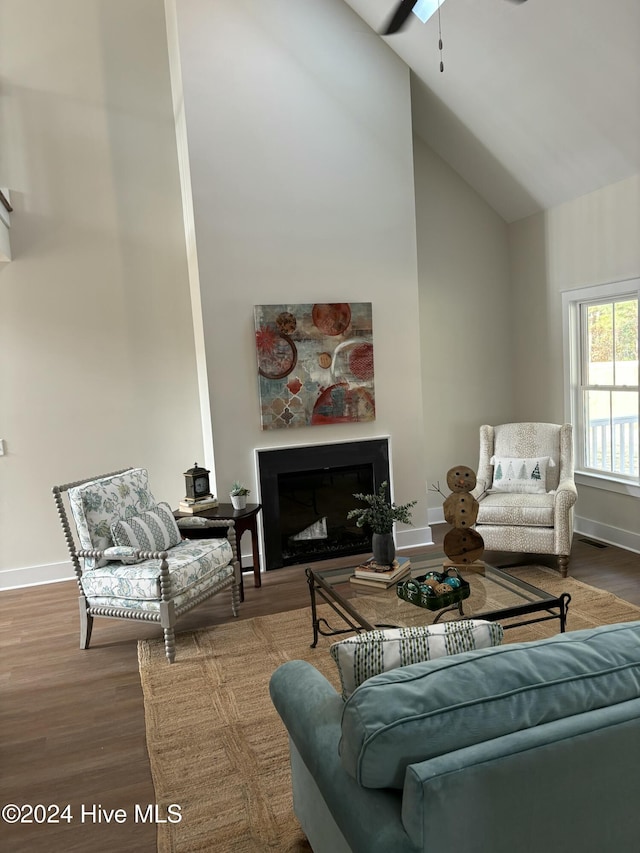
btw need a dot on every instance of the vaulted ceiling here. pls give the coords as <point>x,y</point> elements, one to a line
<point>539,101</point>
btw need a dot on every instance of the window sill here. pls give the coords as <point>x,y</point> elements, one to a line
<point>596,481</point>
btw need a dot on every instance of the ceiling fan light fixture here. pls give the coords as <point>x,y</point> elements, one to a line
<point>424,9</point>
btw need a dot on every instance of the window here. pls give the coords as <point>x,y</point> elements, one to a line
<point>602,379</point>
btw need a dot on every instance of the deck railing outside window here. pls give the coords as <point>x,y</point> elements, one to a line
<point>615,451</point>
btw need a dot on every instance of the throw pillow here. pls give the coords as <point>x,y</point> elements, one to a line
<point>154,530</point>
<point>365,655</point>
<point>518,474</point>
<point>123,554</point>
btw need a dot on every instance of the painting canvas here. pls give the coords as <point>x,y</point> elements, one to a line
<point>315,364</point>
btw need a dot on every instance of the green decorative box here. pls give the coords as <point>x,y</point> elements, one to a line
<point>413,591</point>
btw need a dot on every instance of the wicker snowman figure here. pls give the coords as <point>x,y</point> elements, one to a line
<point>462,545</point>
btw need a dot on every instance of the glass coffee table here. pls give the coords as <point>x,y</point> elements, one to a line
<point>495,595</point>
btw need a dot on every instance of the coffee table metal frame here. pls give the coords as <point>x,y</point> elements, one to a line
<point>554,607</point>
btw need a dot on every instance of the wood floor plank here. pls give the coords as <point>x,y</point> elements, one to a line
<point>72,721</point>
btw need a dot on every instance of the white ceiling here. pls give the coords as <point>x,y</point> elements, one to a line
<point>539,102</point>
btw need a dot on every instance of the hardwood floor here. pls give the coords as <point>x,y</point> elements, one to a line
<point>72,722</point>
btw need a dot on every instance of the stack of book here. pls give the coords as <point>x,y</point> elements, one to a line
<point>193,507</point>
<point>372,575</point>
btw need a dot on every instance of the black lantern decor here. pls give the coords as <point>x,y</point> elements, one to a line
<point>197,484</point>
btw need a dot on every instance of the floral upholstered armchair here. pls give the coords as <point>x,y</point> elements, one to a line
<point>526,490</point>
<point>132,562</point>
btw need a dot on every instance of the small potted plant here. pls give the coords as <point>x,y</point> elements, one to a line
<point>238,495</point>
<point>379,516</point>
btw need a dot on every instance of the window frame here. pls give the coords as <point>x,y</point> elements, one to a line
<point>574,348</point>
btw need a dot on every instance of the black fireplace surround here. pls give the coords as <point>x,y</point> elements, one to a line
<point>306,493</point>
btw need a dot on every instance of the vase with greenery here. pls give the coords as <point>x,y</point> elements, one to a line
<point>379,516</point>
<point>238,495</point>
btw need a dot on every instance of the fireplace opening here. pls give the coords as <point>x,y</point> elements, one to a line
<point>313,513</point>
<point>306,493</point>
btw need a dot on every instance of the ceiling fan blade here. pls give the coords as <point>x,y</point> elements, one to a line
<point>399,17</point>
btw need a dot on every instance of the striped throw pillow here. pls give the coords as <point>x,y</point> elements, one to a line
<point>153,530</point>
<point>365,655</point>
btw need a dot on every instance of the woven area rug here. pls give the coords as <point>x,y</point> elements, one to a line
<point>216,744</point>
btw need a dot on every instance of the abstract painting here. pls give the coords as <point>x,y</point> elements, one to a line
<point>315,364</point>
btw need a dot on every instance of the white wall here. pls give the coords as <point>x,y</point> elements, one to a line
<point>5,216</point>
<point>97,365</point>
<point>465,318</point>
<point>304,191</point>
<point>299,130</point>
<point>591,240</point>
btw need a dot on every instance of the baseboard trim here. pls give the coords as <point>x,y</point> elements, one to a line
<point>57,572</point>
<point>625,539</point>
<point>414,537</point>
<point>36,575</point>
<point>411,538</point>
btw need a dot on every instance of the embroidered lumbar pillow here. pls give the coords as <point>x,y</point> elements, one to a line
<point>154,530</point>
<point>520,474</point>
<point>365,655</point>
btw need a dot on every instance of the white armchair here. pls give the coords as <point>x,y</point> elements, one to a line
<point>526,490</point>
<point>133,563</point>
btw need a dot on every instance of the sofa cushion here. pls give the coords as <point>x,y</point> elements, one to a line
<point>189,562</point>
<point>520,474</point>
<point>427,709</point>
<point>365,655</point>
<point>517,510</point>
<point>153,530</point>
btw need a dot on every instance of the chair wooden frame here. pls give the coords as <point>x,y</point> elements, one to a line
<point>168,612</point>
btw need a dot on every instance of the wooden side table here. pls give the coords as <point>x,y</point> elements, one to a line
<point>244,519</point>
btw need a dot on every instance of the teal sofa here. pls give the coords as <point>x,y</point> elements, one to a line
<point>521,748</point>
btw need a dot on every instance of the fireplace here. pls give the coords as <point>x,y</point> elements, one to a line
<point>306,493</point>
